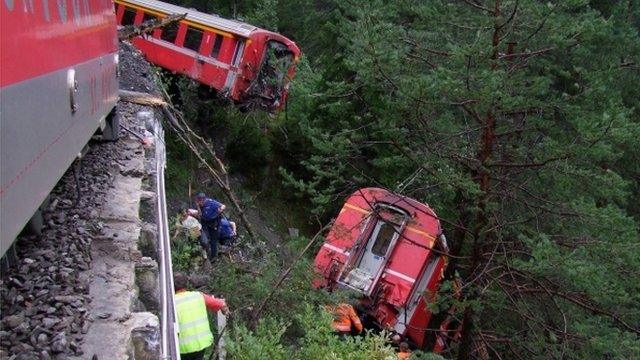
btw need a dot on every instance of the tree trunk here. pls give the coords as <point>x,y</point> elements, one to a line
<point>483,179</point>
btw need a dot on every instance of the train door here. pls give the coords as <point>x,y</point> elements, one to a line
<point>407,312</point>
<point>366,267</point>
<point>376,251</point>
<point>233,69</point>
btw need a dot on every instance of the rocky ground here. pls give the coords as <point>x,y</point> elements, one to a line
<point>135,73</point>
<point>45,297</point>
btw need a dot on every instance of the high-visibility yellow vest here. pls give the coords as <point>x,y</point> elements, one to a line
<point>194,332</point>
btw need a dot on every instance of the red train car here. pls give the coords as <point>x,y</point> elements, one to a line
<point>391,250</point>
<point>58,86</point>
<point>252,66</point>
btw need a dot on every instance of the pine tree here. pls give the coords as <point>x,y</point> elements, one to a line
<point>516,120</point>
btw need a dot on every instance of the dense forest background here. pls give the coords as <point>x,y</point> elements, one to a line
<point>518,121</point>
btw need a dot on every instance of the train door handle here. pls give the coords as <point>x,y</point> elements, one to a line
<point>72,85</point>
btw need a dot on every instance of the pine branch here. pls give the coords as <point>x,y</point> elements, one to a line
<point>529,165</point>
<point>583,303</point>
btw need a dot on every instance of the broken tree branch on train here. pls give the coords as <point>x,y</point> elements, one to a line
<point>148,27</point>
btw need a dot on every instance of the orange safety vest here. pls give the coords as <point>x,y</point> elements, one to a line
<point>344,317</point>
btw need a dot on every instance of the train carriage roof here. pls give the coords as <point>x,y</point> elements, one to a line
<point>215,21</point>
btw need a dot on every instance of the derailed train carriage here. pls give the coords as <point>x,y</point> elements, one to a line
<point>391,250</point>
<point>249,65</point>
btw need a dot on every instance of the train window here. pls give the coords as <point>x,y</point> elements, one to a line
<point>385,235</point>
<point>216,46</point>
<point>193,39</point>
<point>148,17</point>
<point>128,17</point>
<point>170,32</point>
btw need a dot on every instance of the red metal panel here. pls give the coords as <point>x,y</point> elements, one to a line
<point>164,54</point>
<point>119,13</point>
<point>227,49</point>
<point>214,76</point>
<point>207,43</point>
<point>29,30</point>
<point>182,32</point>
<point>416,330</point>
<point>138,18</point>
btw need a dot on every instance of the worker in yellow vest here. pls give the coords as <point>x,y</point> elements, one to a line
<point>194,333</point>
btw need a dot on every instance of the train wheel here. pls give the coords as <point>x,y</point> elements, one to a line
<point>36,223</point>
<point>111,130</point>
<point>9,260</point>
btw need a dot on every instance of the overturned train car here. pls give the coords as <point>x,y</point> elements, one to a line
<point>249,65</point>
<point>391,250</point>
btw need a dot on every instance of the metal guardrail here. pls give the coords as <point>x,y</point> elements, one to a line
<point>169,316</point>
<point>169,326</point>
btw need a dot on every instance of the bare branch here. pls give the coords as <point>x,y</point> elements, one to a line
<point>283,277</point>
<point>526,54</point>
<point>478,6</point>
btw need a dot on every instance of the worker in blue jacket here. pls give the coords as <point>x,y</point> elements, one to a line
<point>210,211</point>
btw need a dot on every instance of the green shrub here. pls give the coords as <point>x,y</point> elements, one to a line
<point>264,343</point>
<point>321,343</point>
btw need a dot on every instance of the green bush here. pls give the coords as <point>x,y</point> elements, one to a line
<point>264,343</point>
<point>317,341</point>
<point>321,343</point>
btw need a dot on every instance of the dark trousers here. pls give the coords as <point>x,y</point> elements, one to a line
<point>210,228</point>
<point>198,355</point>
<point>227,241</point>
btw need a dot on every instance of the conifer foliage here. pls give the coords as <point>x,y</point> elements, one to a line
<point>513,120</point>
<point>517,121</point>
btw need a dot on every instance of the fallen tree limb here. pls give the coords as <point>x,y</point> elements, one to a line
<point>196,143</point>
<point>218,345</point>
<point>141,98</point>
<point>147,27</point>
<point>224,186</point>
